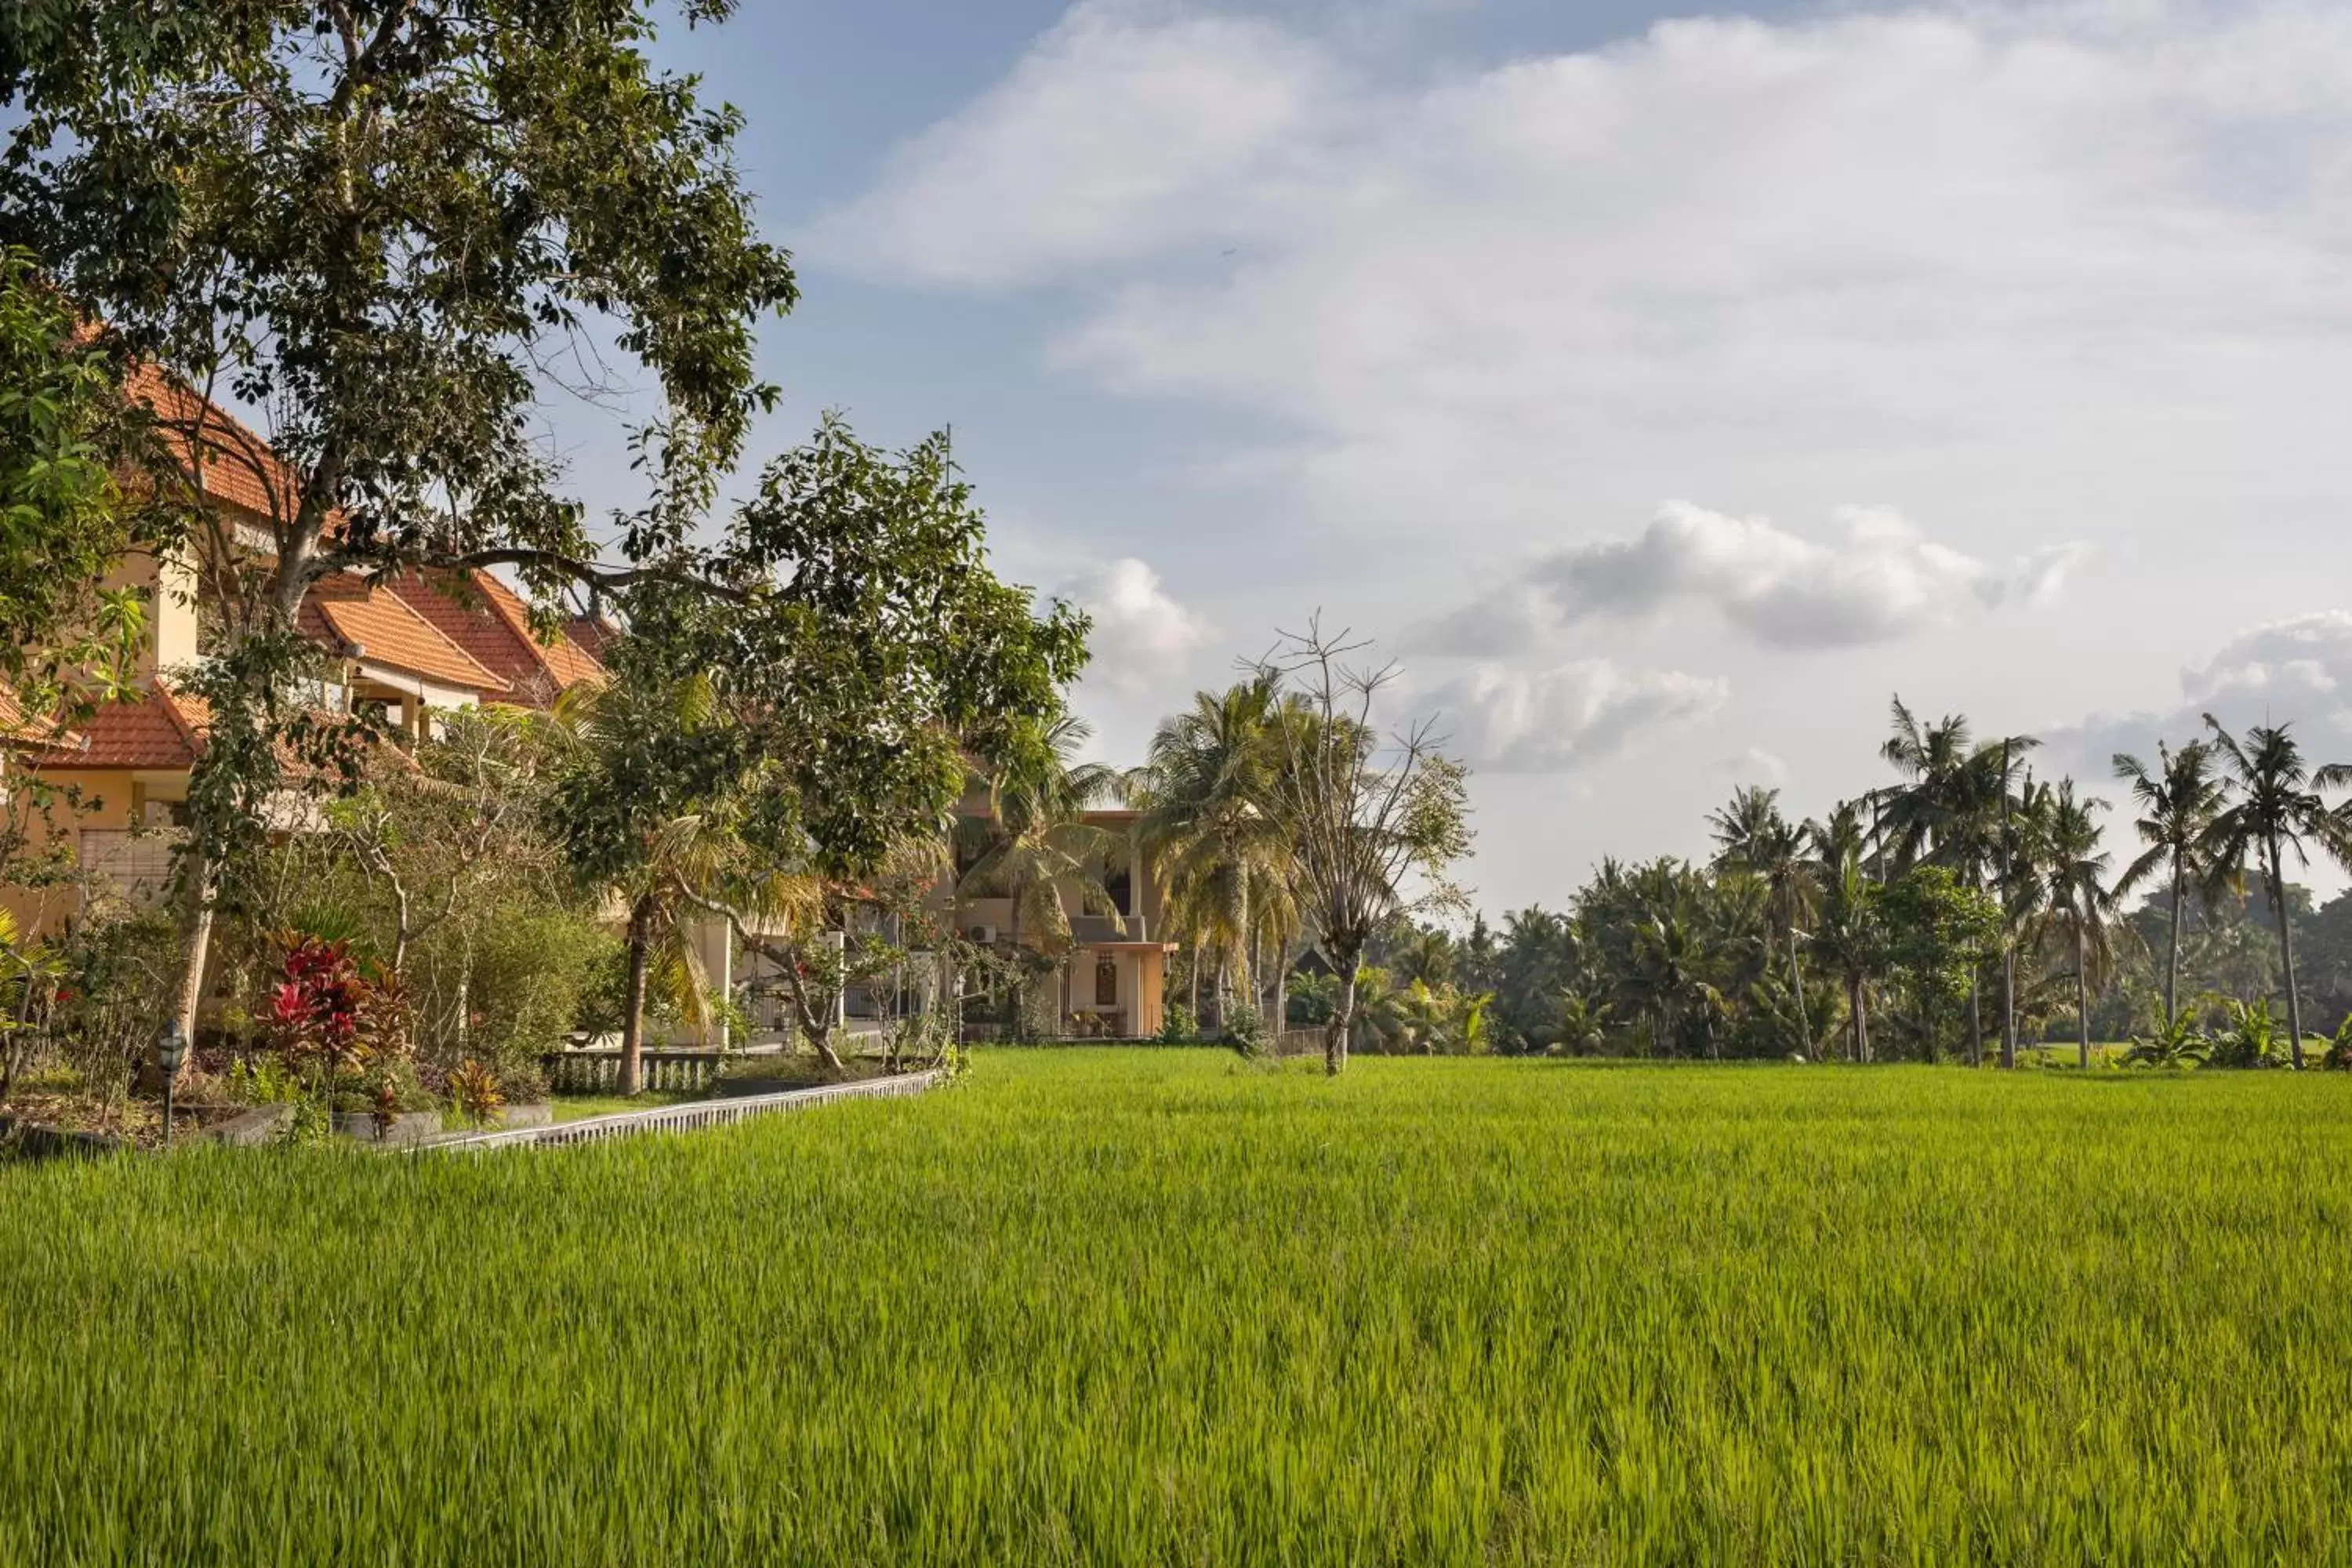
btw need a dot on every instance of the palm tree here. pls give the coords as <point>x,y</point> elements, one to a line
<point>2070,870</point>
<point>1035,841</point>
<point>1917,817</point>
<point>1754,837</point>
<point>2278,808</point>
<point>1847,933</point>
<point>2178,804</point>
<point>1212,837</point>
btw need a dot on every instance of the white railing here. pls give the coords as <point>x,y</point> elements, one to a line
<point>700,1114</point>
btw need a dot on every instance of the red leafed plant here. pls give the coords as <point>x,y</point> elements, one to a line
<point>326,1009</point>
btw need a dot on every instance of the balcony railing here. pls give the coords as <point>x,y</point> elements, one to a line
<point>1091,929</point>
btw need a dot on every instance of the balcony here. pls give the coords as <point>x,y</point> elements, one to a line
<point>1091,930</point>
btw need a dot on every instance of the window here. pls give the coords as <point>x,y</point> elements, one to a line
<point>1106,982</point>
<point>135,866</point>
<point>1121,889</point>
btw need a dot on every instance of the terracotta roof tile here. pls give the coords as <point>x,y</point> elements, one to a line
<point>236,466</point>
<point>163,730</point>
<point>348,610</point>
<point>492,623</point>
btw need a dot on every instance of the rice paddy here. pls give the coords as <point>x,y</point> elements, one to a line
<point>1164,1307</point>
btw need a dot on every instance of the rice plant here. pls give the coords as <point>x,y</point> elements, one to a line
<point>1160,1306</point>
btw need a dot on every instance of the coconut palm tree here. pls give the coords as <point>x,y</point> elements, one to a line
<point>2069,872</point>
<point>1847,934</point>
<point>2177,803</point>
<point>1212,836</point>
<point>2278,807</point>
<point>1035,841</point>
<point>1917,817</point>
<point>1754,837</point>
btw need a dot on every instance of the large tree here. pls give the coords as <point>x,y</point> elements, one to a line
<point>2062,857</point>
<point>1214,838</point>
<point>1376,820</point>
<point>376,223</point>
<point>2177,801</point>
<point>1752,837</point>
<point>65,521</point>
<point>2277,809</point>
<point>824,707</point>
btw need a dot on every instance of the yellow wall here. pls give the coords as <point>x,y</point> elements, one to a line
<point>108,799</point>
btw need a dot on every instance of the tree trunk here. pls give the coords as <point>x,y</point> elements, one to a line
<point>2172,958</point>
<point>198,940</point>
<point>1854,1003</point>
<point>1797,989</point>
<point>2008,1003</point>
<point>1343,1015</point>
<point>2286,957</point>
<point>2082,998</point>
<point>400,935</point>
<point>633,1025</point>
<point>1975,1015</point>
<point>1281,993</point>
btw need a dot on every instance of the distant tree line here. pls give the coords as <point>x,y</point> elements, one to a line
<point>1963,911</point>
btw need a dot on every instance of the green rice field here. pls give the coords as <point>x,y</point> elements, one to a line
<point>1168,1307</point>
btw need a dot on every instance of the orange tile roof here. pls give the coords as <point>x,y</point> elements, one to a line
<point>492,623</point>
<point>345,609</point>
<point>595,634</point>
<point>163,730</point>
<point>235,465</point>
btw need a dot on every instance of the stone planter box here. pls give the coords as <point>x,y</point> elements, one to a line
<point>408,1127</point>
<point>259,1125</point>
<point>537,1113</point>
<point>42,1143</point>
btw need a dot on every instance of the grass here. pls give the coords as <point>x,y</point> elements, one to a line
<point>580,1107</point>
<point>1107,1307</point>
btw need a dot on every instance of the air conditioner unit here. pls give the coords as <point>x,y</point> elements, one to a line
<point>985,935</point>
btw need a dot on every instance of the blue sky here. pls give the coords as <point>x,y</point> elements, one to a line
<point>1666,388</point>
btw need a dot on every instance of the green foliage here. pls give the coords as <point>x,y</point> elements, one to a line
<point>63,521</point>
<point>1177,1025</point>
<point>1455,1274</point>
<point>2252,1037</point>
<point>2175,1042</point>
<point>1938,932</point>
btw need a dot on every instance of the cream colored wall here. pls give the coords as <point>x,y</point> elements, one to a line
<point>108,799</point>
<point>169,584</point>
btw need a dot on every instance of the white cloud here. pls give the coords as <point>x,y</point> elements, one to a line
<point>1143,639</point>
<point>1950,232</point>
<point>1552,720</point>
<point>1114,139</point>
<point>1754,765</point>
<point>2296,671</point>
<point>1877,579</point>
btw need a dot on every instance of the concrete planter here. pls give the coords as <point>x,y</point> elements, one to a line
<point>408,1127</point>
<point>536,1113</point>
<point>259,1125</point>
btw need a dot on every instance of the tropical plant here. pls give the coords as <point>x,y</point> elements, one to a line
<point>2176,1040</point>
<point>1752,837</point>
<point>475,1092</point>
<point>2177,801</point>
<point>1211,836</point>
<point>2249,1036</point>
<point>2276,807</point>
<point>2079,911</point>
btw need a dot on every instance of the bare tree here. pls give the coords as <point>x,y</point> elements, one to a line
<point>1376,819</point>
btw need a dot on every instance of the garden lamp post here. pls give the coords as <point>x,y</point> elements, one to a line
<point>169,1052</point>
